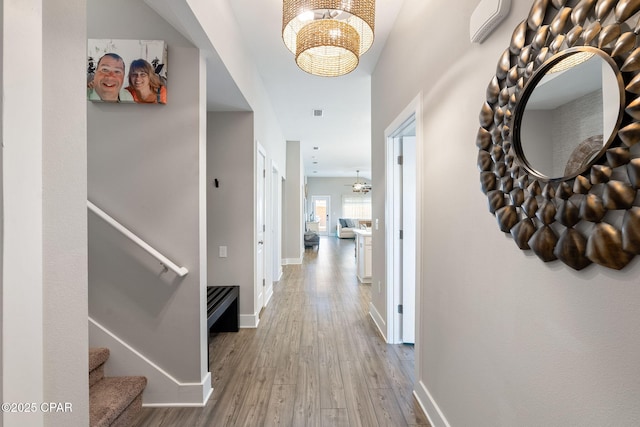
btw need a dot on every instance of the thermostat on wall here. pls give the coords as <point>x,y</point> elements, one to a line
<point>487,15</point>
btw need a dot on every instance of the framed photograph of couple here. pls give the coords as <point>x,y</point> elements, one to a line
<point>127,71</point>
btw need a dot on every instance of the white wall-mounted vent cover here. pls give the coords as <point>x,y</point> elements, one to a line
<point>486,17</point>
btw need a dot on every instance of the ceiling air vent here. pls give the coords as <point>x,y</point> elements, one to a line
<point>317,113</point>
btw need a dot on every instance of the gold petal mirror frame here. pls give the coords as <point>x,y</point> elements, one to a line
<point>592,217</point>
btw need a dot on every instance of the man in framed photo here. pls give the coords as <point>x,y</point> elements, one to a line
<point>108,79</point>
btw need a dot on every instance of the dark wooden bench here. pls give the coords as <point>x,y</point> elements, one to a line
<point>223,314</point>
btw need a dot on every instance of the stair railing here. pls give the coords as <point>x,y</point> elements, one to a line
<point>166,262</point>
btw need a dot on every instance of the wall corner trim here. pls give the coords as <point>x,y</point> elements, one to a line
<point>163,390</point>
<point>249,321</point>
<point>378,320</point>
<point>429,406</point>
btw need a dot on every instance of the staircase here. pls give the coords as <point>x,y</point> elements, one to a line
<point>113,401</point>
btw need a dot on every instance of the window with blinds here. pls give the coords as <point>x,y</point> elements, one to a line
<point>356,206</point>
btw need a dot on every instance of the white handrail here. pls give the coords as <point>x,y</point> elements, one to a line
<point>166,262</point>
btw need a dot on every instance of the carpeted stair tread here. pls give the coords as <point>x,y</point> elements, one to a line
<point>97,356</point>
<point>111,396</point>
<point>127,418</point>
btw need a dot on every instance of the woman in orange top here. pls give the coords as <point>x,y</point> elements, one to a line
<point>144,84</point>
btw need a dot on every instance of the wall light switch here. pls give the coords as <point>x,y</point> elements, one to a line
<point>376,223</point>
<point>222,252</point>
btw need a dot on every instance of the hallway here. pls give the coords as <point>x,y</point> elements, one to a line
<point>316,358</point>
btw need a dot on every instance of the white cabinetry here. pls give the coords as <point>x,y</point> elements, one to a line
<point>312,226</point>
<point>363,255</point>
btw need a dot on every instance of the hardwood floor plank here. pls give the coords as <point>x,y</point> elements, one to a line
<point>306,410</point>
<point>287,368</point>
<point>373,368</point>
<point>388,411</point>
<point>331,386</point>
<point>410,408</point>
<point>335,418</point>
<point>398,376</point>
<point>316,358</point>
<point>404,352</point>
<point>359,404</point>
<point>280,409</point>
<point>254,406</point>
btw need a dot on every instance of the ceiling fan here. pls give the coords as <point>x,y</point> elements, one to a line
<point>317,14</point>
<point>360,187</point>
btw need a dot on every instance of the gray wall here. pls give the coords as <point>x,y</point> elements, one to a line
<point>334,187</point>
<point>230,153</point>
<point>64,207</point>
<point>504,339</point>
<point>143,163</point>
<point>293,221</point>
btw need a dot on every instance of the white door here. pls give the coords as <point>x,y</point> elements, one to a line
<point>321,208</point>
<point>408,195</point>
<point>260,230</point>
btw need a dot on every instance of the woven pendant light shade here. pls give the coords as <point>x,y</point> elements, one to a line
<point>334,42</point>
<point>325,35</point>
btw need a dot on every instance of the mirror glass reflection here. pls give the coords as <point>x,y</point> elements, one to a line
<point>570,115</point>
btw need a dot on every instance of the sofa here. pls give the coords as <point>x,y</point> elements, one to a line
<point>347,225</point>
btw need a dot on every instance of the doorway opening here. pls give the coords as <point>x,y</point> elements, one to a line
<point>320,209</point>
<point>403,201</point>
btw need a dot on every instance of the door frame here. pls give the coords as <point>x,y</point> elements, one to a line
<point>393,244</point>
<point>260,282</point>
<point>276,222</point>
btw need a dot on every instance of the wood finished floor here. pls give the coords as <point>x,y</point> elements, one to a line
<point>316,359</point>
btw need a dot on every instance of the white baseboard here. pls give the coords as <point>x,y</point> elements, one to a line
<point>378,320</point>
<point>280,273</point>
<point>162,389</point>
<point>268,295</point>
<point>292,261</point>
<point>429,406</point>
<point>249,320</point>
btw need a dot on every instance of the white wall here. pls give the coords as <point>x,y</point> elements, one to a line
<point>334,187</point>
<point>504,339</point>
<point>44,238</point>
<point>230,152</point>
<point>144,170</point>
<point>586,114</point>
<point>219,23</point>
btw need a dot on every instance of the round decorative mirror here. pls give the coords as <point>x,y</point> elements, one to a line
<point>568,113</point>
<point>558,155</point>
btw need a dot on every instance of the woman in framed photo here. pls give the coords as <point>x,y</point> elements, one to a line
<point>144,84</point>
